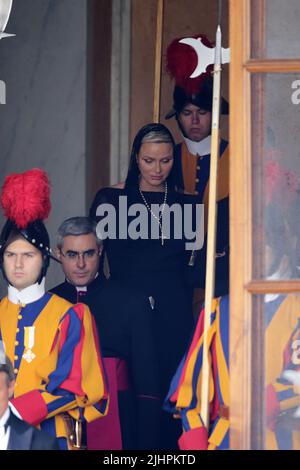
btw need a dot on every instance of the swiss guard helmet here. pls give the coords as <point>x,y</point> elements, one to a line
<point>25,200</point>
<point>181,61</point>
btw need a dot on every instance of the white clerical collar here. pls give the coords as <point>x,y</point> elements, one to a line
<point>83,288</point>
<point>4,417</point>
<point>28,295</point>
<point>199,148</point>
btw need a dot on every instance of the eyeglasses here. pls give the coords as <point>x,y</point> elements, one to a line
<point>76,255</point>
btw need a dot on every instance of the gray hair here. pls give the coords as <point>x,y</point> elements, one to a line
<point>8,369</point>
<point>76,226</point>
<point>160,136</point>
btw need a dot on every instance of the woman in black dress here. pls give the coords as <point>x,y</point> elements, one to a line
<point>154,263</point>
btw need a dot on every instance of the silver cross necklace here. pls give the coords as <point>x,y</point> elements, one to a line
<point>158,219</point>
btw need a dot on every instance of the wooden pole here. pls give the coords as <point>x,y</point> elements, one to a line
<point>212,227</point>
<point>158,57</point>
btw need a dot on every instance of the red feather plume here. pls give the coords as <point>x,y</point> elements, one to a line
<point>26,197</point>
<point>181,61</point>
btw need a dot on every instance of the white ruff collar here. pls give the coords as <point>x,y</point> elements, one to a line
<point>28,295</point>
<point>199,148</point>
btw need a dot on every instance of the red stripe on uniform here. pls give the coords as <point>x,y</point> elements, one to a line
<point>73,383</point>
<point>31,407</point>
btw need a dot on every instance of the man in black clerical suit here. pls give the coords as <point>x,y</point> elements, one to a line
<point>16,434</point>
<point>124,322</point>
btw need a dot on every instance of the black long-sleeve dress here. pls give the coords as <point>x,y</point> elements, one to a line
<point>124,322</point>
<point>157,270</point>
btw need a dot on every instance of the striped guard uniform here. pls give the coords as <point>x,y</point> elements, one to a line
<point>184,397</point>
<point>66,373</point>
